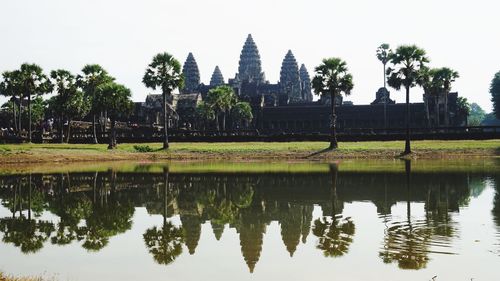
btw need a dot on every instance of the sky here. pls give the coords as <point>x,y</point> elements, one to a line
<point>124,35</point>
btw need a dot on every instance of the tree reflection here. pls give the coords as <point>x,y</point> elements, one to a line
<point>164,244</point>
<point>335,234</point>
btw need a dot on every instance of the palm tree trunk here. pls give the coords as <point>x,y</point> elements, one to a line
<point>217,121</point>
<point>165,121</point>
<point>446,117</point>
<point>333,133</point>
<point>333,192</point>
<point>224,121</point>
<point>29,116</point>
<point>14,112</point>
<point>111,135</point>
<point>69,131</point>
<point>20,115</point>
<point>94,130</point>
<point>407,141</point>
<point>427,115</point>
<point>61,129</point>
<point>165,190</point>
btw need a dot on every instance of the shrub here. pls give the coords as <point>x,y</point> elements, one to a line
<point>143,148</point>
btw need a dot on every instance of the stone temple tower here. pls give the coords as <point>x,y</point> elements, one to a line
<point>305,82</point>
<point>217,78</point>
<point>191,75</point>
<point>250,69</point>
<point>290,78</point>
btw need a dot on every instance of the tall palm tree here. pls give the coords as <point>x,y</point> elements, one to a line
<point>407,61</point>
<point>34,83</point>
<point>115,99</point>
<point>383,53</point>
<point>332,78</point>
<point>69,102</point>
<point>446,76</point>
<point>10,87</point>
<point>221,99</point>
<point>164,72</point>
<point>93,77</point>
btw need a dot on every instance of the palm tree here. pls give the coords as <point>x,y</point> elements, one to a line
<point>221,99</point>
<point>242,112</point>
<point>69,102</point>
<point>332,78</point>
<point>93,77</point>
<point>446,76</point>
<point>407,61</point>
<point>464,108</point>
<point>383,53</point>
<point>431,88</point>
<point>205,112</point>
<point>164,72</point>
<point>10,87</point>
<point>34,83</point>
<point>115,99</point>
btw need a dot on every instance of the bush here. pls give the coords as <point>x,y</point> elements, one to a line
<point>143,148</point>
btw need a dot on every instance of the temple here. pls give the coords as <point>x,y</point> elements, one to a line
<point>287,106</point>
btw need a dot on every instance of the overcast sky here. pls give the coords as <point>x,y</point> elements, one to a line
<point>123,36</point>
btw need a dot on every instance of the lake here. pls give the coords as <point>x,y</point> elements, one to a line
<point>349,220</point>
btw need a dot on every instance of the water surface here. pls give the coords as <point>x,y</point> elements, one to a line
<point>350,220</point>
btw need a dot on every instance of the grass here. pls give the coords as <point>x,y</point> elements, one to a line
<point>17,153</point>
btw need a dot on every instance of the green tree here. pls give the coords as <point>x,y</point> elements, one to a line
<point>221,99</point>
<point>205,112</point>
<point>476,116</point>
<point>115,99</point>
<point>407,61</point>
<point>463,108</point>
<point>383,53</point>
<point>164,72</point>
<point>70,102</point>
<point>495,94</point>
<point>242,113</point>
<point>446,76</point>
<point>432,88</point>
<point>11,88</point>
<point>332,79</point>
<point>34,83</point>
<point>93,77</point>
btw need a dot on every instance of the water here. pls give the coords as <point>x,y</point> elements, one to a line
<point>348,221</point>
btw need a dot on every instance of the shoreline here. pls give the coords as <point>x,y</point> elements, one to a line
<point>252,151</point>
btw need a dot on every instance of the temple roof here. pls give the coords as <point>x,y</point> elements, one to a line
<point>250,68</point>
<point>305,79</point>
<point>217,78</point>
<point>289,77</point>
<point>191,74</point>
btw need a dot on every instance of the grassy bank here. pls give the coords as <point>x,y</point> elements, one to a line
<point>303,151</point>
<point>4,277</point>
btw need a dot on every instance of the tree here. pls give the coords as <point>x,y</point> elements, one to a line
<point>10,88</point>
<point>34,83</point>
<point>495,94</point>
<point>164,72</point>
<point>115,99</point>
<point>383,53</point>
<point>407,61</point>
<point>476,116</point>
<point>446,76</point>
<point>332,78</point>
<point>205,112</point>
<point>242,113</point>
<point>93,77</point>
<point>69,102</point>
<point>463,108</point>
<point>221,99</point>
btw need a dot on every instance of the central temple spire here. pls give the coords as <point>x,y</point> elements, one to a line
<point>191,75</point>
<point>250,68</point>
<point>290,78</point>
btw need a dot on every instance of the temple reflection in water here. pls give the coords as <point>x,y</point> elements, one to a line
<point>92,207</point>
